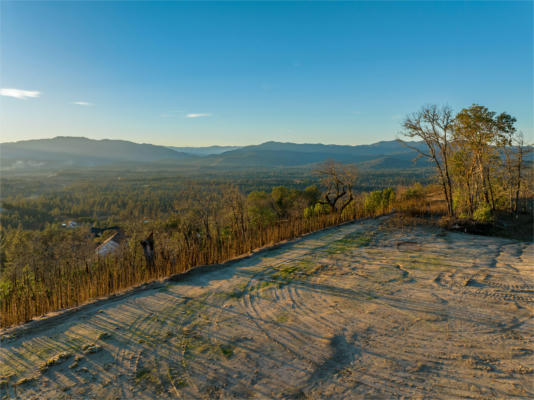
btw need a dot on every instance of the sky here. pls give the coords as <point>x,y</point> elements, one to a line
<point>238,73</point>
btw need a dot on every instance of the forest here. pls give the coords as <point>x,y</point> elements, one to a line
<point>47,266</point>
<point>481,173</point>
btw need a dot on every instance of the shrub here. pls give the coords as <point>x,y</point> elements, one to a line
<point>316,210</point>
<point>415,192</point>
<point>483,215</point>
<point>379,201</point>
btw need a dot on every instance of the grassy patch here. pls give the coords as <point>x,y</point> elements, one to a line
<point>57,359</point>
<point>264,285</point>
<point>191,345</point>
<point>282,318</point>
<point>350,241</point>
<point>91,348</point>
<point>287,273</point>
<point>423,262</point>
<point>165,288</point>
<point>26,380</point>
<point>142,373</point>
<point>301,270</point>
<point>227,350</point>
<point>148,375</point>
<point>195,306</point>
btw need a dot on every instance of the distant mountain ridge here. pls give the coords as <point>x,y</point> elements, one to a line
<point>80,151</point>
<point>204,151</point>
<point>385,154</point>
<point>66,151</point>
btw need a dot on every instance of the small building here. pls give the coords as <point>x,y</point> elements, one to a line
<point>110,245</point>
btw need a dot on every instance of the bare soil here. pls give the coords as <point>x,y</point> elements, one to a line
<point>366,310</point>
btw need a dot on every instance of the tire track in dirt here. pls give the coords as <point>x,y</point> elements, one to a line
<point>332,316</point>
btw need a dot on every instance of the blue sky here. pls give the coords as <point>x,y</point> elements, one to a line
<point>201,73</point>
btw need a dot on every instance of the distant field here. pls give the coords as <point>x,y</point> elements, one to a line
<point>366,310</point>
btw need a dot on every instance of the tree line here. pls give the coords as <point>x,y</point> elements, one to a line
<point>32,203</point>
<point>479,155</point>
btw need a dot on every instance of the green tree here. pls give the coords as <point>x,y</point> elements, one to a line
<point>476,132</point>
<point>260,208</point>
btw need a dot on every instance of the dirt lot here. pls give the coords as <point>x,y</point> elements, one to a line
<point>367,310</point>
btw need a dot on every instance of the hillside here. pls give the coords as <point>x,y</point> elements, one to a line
<point>365,310</point>
<point>65,151</point>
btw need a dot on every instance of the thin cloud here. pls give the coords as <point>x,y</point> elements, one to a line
<point>198,115</point>
<point>82,103</point>
<point>19,93</point>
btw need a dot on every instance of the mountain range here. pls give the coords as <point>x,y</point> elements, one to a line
<point>66,151</point>
<point>73,152</point>
<point>204,151</point>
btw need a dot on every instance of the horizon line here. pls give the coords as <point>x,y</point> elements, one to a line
<point>204,146</point>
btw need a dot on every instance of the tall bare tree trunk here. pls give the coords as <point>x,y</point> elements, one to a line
<point>518,177</point>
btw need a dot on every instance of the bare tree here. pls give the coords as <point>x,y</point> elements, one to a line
<point>521,152</point>
<point>507,137</point>
<point>434,126</point>
<point>338,179</point>
<point>236,205</point>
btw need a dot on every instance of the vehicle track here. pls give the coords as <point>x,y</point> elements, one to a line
<point>345,313</point>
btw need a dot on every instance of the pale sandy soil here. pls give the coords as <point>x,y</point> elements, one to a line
<point>361,311</point>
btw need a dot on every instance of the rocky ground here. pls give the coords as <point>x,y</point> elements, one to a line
<point>366,310</point>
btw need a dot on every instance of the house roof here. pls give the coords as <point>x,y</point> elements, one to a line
<point>110,245</point>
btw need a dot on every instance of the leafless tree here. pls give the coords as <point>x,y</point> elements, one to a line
<point>434,126</point>
<point>521,152</point>
<point>339,180</point>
